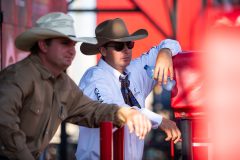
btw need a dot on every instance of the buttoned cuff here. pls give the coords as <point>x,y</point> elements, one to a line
<point>171,44</point>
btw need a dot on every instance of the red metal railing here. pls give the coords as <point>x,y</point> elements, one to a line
<point>111,145</point>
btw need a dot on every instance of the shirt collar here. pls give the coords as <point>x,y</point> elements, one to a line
<point>112,70</point>
<point>45,73</point>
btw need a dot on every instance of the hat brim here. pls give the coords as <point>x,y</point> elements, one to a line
<point>92,49</point>
<point>27,39</point>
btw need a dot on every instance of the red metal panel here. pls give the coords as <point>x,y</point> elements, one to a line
<point>188,102</point>
<point>187,97</point>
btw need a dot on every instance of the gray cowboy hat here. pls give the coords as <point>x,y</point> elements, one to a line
<point>111,30</point>
<point>52,25</point>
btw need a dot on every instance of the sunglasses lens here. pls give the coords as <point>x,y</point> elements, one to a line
<point>130,45</point>
<point>119,46</point>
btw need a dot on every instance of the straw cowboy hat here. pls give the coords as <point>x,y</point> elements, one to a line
<point>52,25</point>
<point>111,30</point>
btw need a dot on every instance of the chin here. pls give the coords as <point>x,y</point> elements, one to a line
<point>128,62</point>
<point>66,65</point>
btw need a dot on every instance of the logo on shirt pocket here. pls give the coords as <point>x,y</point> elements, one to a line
<point>136,91</point>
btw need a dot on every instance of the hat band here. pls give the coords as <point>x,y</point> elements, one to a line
<point>71,36</point>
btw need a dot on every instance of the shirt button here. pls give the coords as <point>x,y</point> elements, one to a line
<point>38,110</point>
<point>46,132</point>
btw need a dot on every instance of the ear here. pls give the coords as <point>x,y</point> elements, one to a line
<point>42,46</point>
<point>103,51</point>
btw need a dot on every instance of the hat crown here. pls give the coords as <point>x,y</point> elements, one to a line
<point>57,21</point>
<point>51,25</point>
<point>112,29</point>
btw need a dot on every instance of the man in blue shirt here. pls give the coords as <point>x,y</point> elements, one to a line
<point>104,82</point>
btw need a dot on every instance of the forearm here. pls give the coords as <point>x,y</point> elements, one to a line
<point>89,113</point>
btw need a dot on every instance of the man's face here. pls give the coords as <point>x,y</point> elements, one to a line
<point>59,53</point>
<point>118,54</point>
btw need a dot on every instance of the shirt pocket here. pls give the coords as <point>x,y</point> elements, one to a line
<point>136,91</point>
<point>62,113</point>
<point>138,95</point>
<point>32,118</point>
<point>36,109</point>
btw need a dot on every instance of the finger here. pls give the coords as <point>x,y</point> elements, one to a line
<point>141,126</point>
<point>165,75</point>
<point>169,135</point>
<point>130,126</point>
<point>160,76</point>
<point>174,134</point>
<point>178,136</point>
<point>136,126</point>
<point>171,73</point>
<point>149,125</point>
<point>156,71</point>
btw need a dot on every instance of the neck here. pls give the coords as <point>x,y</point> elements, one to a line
<point>119,69</point>
<point>55,70</point>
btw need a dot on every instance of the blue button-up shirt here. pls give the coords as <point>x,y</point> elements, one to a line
<point>101,82</point>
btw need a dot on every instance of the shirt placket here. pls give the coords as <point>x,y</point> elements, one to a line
<point>52,114</point>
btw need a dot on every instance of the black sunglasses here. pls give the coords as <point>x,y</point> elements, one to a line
<point>119,46</point>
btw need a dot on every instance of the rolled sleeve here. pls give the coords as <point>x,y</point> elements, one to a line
<point>171,44</point>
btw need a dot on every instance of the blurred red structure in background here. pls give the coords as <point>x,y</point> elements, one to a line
<point>18,15</point>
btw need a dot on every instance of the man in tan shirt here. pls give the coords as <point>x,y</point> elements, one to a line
<point>36,95</point>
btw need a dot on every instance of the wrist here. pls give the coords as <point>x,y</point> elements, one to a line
<point>171,44</point>
<point>166,50</point>
<point>123,113</point>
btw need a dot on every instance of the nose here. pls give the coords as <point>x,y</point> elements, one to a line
<point>126,50</point>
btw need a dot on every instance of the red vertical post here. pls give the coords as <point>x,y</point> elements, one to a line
<point>118,144</point>
<point>106,141</point>
<point>172,149</point>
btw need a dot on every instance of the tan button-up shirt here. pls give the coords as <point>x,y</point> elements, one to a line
<point>33,103</point>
